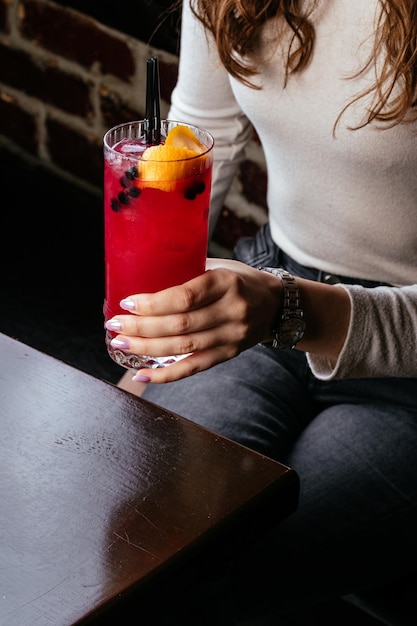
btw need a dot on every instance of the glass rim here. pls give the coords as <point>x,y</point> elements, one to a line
<point>163,121</point>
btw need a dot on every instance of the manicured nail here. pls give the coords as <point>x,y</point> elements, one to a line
<point>127,304</point>
<point>113,325</point>
<point>140,378</point>
<point>120,343</point>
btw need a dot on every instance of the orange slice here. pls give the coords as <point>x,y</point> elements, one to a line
<point>183,137</point>
<point>162,165</point>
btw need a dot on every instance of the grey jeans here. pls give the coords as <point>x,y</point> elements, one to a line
<point>353,444</point>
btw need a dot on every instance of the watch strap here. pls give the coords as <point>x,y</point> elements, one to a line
<point>289,328</point>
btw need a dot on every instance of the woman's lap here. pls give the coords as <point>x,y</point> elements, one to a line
<point>353,445</point>
<point>238,399</point>
<point>265,399</point>
<point>355,524</point>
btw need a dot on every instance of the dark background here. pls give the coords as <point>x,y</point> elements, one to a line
<point>156,22</point>
<point>52,266</point>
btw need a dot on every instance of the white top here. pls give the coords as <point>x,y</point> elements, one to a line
<point>345,204</point>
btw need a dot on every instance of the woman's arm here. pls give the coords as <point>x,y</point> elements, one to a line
<point>381,338</point>
<point>203,96</point>
<point>226,310</point>
<point>350,331</point>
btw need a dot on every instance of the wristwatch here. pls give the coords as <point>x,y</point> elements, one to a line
<point>289,328</point>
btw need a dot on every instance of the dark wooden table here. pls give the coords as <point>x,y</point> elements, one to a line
<point>103,494</point>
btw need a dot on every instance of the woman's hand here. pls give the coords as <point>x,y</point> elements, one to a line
<point>215,316</point>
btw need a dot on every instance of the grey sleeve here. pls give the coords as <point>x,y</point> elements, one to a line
<point>382,336</point>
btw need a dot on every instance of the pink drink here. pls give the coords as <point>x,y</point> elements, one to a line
<point>155,231</point>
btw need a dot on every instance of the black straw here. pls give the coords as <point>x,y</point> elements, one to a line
<point>153,111</point>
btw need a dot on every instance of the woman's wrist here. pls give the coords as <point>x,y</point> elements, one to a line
<point>327,315</point>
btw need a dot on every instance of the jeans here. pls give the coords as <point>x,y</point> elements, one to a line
<point>353,444</point>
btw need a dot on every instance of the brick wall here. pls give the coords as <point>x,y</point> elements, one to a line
<point>65,78</point>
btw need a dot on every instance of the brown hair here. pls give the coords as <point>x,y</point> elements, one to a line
<point>236,25</point>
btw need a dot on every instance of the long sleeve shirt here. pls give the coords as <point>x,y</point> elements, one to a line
<point>344,202</point>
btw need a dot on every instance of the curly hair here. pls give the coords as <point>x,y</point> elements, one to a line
<point>236,26</point>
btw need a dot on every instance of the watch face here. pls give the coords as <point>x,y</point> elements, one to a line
<point>289,333</point>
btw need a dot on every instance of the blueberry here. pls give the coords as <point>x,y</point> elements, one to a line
<point>115,205</point>
<point>134,192</point>
<point>123,197</point>
<point>132,173</point>
<point>125,182</point>
<point>200,186</point>
<point>192,192</point>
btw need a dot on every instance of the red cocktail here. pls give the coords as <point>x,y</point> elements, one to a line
<point>156,205</point>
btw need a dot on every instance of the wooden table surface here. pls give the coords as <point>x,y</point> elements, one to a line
<point>103,494</point>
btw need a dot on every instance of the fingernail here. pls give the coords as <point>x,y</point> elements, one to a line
<point>113,325</point>
<point>120,343</point>
<point>127,304</point>
<point>140,378</point>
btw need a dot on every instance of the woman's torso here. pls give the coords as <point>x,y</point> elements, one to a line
<point>344,203</point>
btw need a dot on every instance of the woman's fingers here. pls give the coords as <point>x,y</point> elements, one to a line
<point>166,325</point>
<point>196,362</point>
<point>194,294</point>
<point>216,337</point>
<point>212,317</point>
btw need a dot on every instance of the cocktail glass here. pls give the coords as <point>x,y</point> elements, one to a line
<point>155,218</point>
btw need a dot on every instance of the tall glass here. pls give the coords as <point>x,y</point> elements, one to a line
<point>155,221</point>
